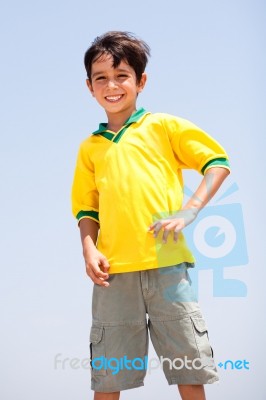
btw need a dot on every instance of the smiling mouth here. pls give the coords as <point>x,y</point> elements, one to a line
<point>114,99</point>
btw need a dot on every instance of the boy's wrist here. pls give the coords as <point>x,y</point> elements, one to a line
<point>193,208</point>
<point>88,247</point>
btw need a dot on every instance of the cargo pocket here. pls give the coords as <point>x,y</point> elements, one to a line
<point>97,351</point>
<point>202,340</point>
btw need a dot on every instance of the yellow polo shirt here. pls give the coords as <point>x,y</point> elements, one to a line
<point>129,179</point>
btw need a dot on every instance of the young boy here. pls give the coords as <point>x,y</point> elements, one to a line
<point>127,197</point>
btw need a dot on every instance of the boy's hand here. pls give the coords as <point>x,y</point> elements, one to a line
<point>96,266</point>
<point>209,185</point>
<point>174,223</point>
<point>96,263</point>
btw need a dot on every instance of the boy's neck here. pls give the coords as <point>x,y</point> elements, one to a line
<point>117,120</point>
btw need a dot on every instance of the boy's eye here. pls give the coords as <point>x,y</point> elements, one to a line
<point>122,76</point>
<point>99,78</point>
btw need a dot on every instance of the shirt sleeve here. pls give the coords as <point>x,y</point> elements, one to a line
<point>194,148</point>
<point>85,196</point>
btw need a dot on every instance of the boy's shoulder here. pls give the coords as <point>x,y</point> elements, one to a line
<point>171,120</point>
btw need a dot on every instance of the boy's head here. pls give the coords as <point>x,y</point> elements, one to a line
<point>121,46</point>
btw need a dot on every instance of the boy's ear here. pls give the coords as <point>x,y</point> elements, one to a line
<point>142,82</point>
<point>88,83</point>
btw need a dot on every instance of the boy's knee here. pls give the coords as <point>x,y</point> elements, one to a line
<point>195,392</point>
<point>106,396</point>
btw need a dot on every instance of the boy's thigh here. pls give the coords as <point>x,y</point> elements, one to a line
<point>118,356</point>
<point>120,302</point>
<point>170,292</point>
<point>177,328</point>
<point>119,335</point>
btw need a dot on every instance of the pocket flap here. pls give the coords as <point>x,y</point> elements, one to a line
<point>199,324</point>
<point>96,334</point>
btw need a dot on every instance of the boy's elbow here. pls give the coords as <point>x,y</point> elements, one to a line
<point>222,171</point>
<point>225,171</point>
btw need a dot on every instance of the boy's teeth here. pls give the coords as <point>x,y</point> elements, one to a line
<point>113,98</point>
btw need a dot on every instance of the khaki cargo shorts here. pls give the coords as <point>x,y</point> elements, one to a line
<point>158,302</point>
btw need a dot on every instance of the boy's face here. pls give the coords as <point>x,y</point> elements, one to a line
<point>115,89</point>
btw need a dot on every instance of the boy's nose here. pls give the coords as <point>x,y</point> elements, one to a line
<point>111,83</point>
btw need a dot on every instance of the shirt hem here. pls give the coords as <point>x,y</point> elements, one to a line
<point>143,267</point>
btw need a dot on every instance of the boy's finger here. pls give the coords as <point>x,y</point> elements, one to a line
<point>165,234</point>
<point>101,282</point>
<point>98,272</point>
<point>105,264</point>
<point>156,228</point>
<point>176,232</point>
<point>154,225</point>
<point>98,280</point>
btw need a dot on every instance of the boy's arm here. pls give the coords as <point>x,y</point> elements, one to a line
<point>209,185</point>
<point>96,263</point>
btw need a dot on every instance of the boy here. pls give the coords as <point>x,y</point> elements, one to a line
<point>127,197</point>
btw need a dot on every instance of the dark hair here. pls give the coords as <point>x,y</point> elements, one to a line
<point>122,46</point>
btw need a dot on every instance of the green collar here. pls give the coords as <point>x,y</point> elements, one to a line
<point>133,118</point>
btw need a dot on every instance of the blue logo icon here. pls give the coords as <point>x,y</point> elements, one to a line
<point>217,240</point>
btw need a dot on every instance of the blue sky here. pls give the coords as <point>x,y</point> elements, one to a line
<point>207,65</point>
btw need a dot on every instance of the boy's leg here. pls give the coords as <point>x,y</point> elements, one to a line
<point>106,396</point>
<point>195,392</point>
<point>187,392</point>
<point>178,330</point>
<point>118,336</point>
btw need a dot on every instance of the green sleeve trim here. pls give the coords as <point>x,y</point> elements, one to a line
<point>217,161</point>
<point>91,214</point>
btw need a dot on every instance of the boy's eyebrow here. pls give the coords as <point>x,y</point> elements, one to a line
<point>103,72</point>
